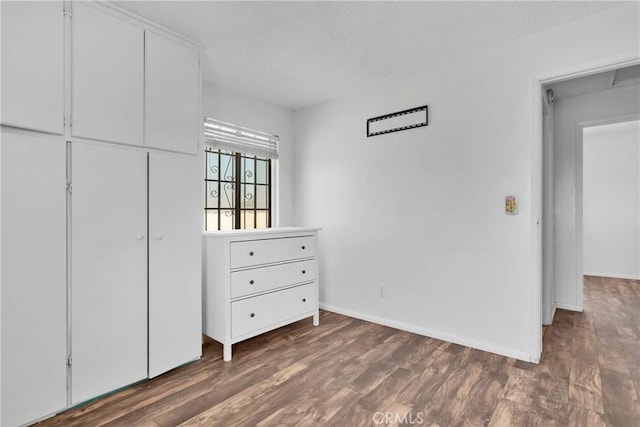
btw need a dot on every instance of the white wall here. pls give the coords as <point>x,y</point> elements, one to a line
<point>611,200</point>
<point>420,212</point>
<point>231,106</point>
<point>568,113</point>
<point>548,215</point>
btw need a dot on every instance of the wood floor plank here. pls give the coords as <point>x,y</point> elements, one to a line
<point>556,365</point>
<point>510,413</point>
<point>635,376</point>
<point>585,388</point>
<point>422,350</point>
<point>585,346</point>
<point>355,415</point>
<point>322,409</point>
<point>446,405</point>
<point>240,409</point>
<point>497,367</point>
<point>211,392</point>
<point>615,357</point>
<point>479,404</point>
<point>618,392</point>
<point>539,391</point>
<point>520,387</point>
<point>584,319</point>
<point>621,418</point>
<point>419,390</point>
<point>371,377</point>
<point>581,417</point>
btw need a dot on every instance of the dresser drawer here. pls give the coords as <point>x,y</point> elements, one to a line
<point>261,279</point>
<point>257,252</point>
<point>260,312</point>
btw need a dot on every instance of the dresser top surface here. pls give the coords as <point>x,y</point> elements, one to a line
<point>260,232</point>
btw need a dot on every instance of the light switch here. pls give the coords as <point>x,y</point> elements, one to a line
<point>511,205</point>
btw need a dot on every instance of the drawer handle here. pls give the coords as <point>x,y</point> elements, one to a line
<point>251,282</point>
<point>304,271</point>
<point>251,253</point>
<point>252,315</point>
<point>303,247</point>
<point>304,300</point>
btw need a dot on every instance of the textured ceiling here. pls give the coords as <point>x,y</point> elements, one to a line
<point>297,54</point>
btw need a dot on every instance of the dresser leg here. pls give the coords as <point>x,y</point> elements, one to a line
<point>316,318</point>
<point>226,352</point>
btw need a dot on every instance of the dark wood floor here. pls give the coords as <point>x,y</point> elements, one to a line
<point>345,371</point>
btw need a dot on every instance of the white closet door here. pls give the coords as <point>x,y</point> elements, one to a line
<point>172,101</point>
<point>32,65</point>
<point>107,77</point>
<point>108,269</point>
<point>175,283</point>
<point>34,302</point>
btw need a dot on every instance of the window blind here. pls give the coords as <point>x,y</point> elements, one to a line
<point>230,137</point>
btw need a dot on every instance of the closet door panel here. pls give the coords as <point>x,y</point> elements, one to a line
<point>34,316</point>
<point>175,284</point>
<point>107,79</point>
<point>172,101</point>
<point>32,65</point>
<point>108,269</point>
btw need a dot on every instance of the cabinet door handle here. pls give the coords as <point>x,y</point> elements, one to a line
<point>251,282</point>
<point>139,237</point>
<point>304,271</point>
<point>304,300</point>
<point>303,247</point>
<point>251,253</point>
<point>252,315</point>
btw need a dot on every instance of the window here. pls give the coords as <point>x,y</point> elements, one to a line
<point>237,200</point>
<point>238,176</point>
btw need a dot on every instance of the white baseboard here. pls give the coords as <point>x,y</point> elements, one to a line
<point>614,275</point>
<point>433,334</point>
<point>570,307</point>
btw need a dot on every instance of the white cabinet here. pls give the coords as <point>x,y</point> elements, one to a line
<point>108,269</point>
<point>33,65</point>
<point>175,283</point>
<point>124,327</point>
<point>257,280</point>
<point>34,329</point>
<point>89,303</point>
<point>128,84</point>
<point>172,88</point>
<point>107,77</point>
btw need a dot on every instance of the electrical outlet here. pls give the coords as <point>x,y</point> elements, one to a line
<point>381,291</point>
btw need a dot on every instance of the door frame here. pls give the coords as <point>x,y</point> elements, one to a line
<point>537,83</point>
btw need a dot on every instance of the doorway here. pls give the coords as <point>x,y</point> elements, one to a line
<point>570,104</point>
<point>611,200</point>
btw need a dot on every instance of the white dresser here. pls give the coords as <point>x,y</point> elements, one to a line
<point>257,280</point>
